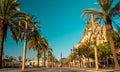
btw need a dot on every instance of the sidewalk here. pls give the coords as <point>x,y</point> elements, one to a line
<point>100,70</point>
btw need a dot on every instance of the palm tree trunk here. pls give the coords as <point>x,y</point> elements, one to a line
<point>88,62</point>
<point>1,47</point>
<point>24,54</point>
<point>1,42</point>
<point>79,61</point>
<point>38,57</point>
<point>44,59</point>
<point>109,31</point>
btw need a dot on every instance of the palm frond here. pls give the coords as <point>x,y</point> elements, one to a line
<point>2,9</point>
<point>116,9</point>
<point>92,11</point>
<point>5,28</point>
<point>14,31</point>
<point>117,27</point>
<point>105,5</point>
<point>18,14</point>
<point>32,44</point>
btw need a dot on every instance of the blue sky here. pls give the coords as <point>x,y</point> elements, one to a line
<point>61,24</point>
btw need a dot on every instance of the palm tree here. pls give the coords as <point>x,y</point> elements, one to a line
<point>9,11</point>
<point>35,43</point>
<point>11,58</point>
<point>39,54</point>
<point>25,30</point>
<point>50,56</point>
<point>46,49</point>
<point>106,13</point>
<point>38,43</point>
<point>20,58</point>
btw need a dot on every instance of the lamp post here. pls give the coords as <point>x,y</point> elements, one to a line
<point>95,48</point>
<point>61,59</point>
<point>60,62</point>
<point>25,41</point>
<point>96,55</point>
<point>71,57</point>
<point>95,33</point>
<point>78,56</point>
<point>25,46</point>
<point>47,59</point>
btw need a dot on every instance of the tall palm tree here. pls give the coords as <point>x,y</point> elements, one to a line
<point>35,43</point>
<point>38,43</point>
<point>106,13</point>
<point>39,54</point>
<point>50,56</point>
<point>46,50</point>
<point>9,11</point>
<point>25,31</point>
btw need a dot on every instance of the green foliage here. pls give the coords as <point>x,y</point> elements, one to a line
<point>105,15</point>
<point>104,49</point>
<point>6,56</point>
<point>11,58</point>
<point>19,58</point>
<point>87,49</point>
<point>116,38</point>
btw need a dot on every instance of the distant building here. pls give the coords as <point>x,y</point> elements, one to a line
<point>99,33</point>
<point>88,35</point>
<point>34,63</point>
<point>11,63</point>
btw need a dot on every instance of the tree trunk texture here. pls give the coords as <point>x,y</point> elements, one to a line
<point>1,47</point>
<point>109,32</point>
<point>38,57</point>
<point>1,42</point>
<point>44,60</point>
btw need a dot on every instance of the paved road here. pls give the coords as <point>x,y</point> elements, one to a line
<point>55,70</point>
<point>41,70</point>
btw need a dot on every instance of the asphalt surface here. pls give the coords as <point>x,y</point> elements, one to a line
<point>56,70</point>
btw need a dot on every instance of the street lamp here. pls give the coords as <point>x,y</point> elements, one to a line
<point>25,41</point>
<point>95,48</point>
<point>61,59</point>
<point>25,45</point>
<point>95,34</point>
<point>47,60</point>
<point>74,56</point>
<point>71,57</point>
